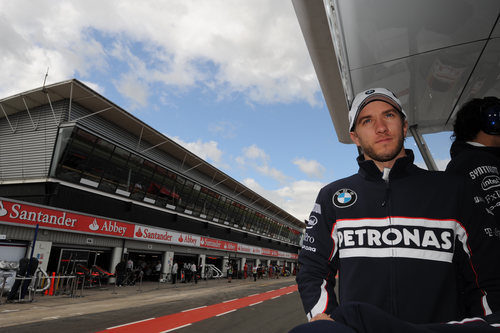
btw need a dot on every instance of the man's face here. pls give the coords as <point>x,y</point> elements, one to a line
<point>380,132</point>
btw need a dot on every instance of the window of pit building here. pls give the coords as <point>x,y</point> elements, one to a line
<point>138,182</point>
<point>157,189</point>
<point>197,208</point>
<point>179,185</point>
<point>74,158</point>
<point>98,160</point>
<point>64,137</point>
<point>191,195</point>
<point>113,169</point>
<point>118,172</point>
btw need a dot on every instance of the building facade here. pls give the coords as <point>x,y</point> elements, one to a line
<point>90,184</point>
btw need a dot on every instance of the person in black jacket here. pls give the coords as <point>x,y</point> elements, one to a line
<point>27,269</point>
<point>120,272</point>
<point>397,236</point>
<point>475,153</point>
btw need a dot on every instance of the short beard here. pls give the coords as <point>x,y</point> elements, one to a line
<point>368,151</point>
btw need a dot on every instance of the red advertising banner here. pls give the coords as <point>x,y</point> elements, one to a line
<point>28,214</point>
<point>269,252</point>
<point>21,213</point>
<point>218,244</point>
<point>165,236</point>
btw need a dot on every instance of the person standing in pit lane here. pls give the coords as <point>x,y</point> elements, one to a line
<point>475,153</point>
<point>194,273</point>
<point>400,234</point>
<point>175,267</point>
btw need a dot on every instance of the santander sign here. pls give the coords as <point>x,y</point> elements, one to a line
<point>20,213</point>
<point>165,236</point>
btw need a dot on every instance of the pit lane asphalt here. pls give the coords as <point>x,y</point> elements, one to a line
<point>110,298</point>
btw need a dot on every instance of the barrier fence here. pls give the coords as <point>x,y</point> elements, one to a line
<point>27,289</point>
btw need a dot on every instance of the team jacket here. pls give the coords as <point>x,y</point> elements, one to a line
<point>480,165</point>
<point>355,317</point>
<point>399,245</point>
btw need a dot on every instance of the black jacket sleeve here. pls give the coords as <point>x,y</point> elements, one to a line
<point>479,250</point>
<point>318,260</point>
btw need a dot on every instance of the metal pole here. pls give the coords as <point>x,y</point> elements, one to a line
<point>422,147</point>
<point>28,274</point>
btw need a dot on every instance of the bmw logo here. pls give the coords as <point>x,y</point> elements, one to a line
<point>312,222</point>
<point>368,92</point>
<point>344,198</point>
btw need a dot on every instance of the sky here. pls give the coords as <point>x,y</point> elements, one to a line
<point>230,80</point>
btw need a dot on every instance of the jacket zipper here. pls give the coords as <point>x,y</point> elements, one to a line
<point>392,270</point>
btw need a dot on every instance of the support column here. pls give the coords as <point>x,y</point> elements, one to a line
<point>268,262</point>
<point>225,266</point>
<point>116,256</point>
<point>42,253</point>
<point>201,264</point>
<point>243,262</point>
<point>168,262</point>
<point>238,264</point>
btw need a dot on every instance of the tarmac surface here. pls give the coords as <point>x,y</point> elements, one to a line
<point>101,299</point>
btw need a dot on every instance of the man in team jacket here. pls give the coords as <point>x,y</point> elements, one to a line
<point>399,237</point>
<point>475,153</point>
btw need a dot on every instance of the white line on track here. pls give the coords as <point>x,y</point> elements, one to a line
<point>291,292</point>
<point>276,297</point>
<point>221,314</point>
<point>230,300</point>
<point>270,291</point>
<point>10,310</point>
<point>135,322</point>
<point>200,307</point>
<point>51,318</point>
<point>255,303</point>
<point>253,295</point>
<point>175,328</point>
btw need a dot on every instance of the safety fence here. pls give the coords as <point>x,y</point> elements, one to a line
<point>27,288</point>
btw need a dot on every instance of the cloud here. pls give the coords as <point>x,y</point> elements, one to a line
<point>311,168</point>
<point>130,85</point>
<point>255,153</point>
<point>258,159</point>
<point>297,197</point>
<point>208,151</point>
<point>273,173</point>
<point>95,86</point>
<point>225,129</point>
<point>254,49</point>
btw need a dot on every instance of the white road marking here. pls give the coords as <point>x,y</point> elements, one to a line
<point>135,322</point>
<point>255,303</point>
<point>221,314</point>
<point>200,307</point>
<point>234,299</point>
<point>175,328</point>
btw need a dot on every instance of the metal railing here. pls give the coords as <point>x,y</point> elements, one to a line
<point>41,283</point>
